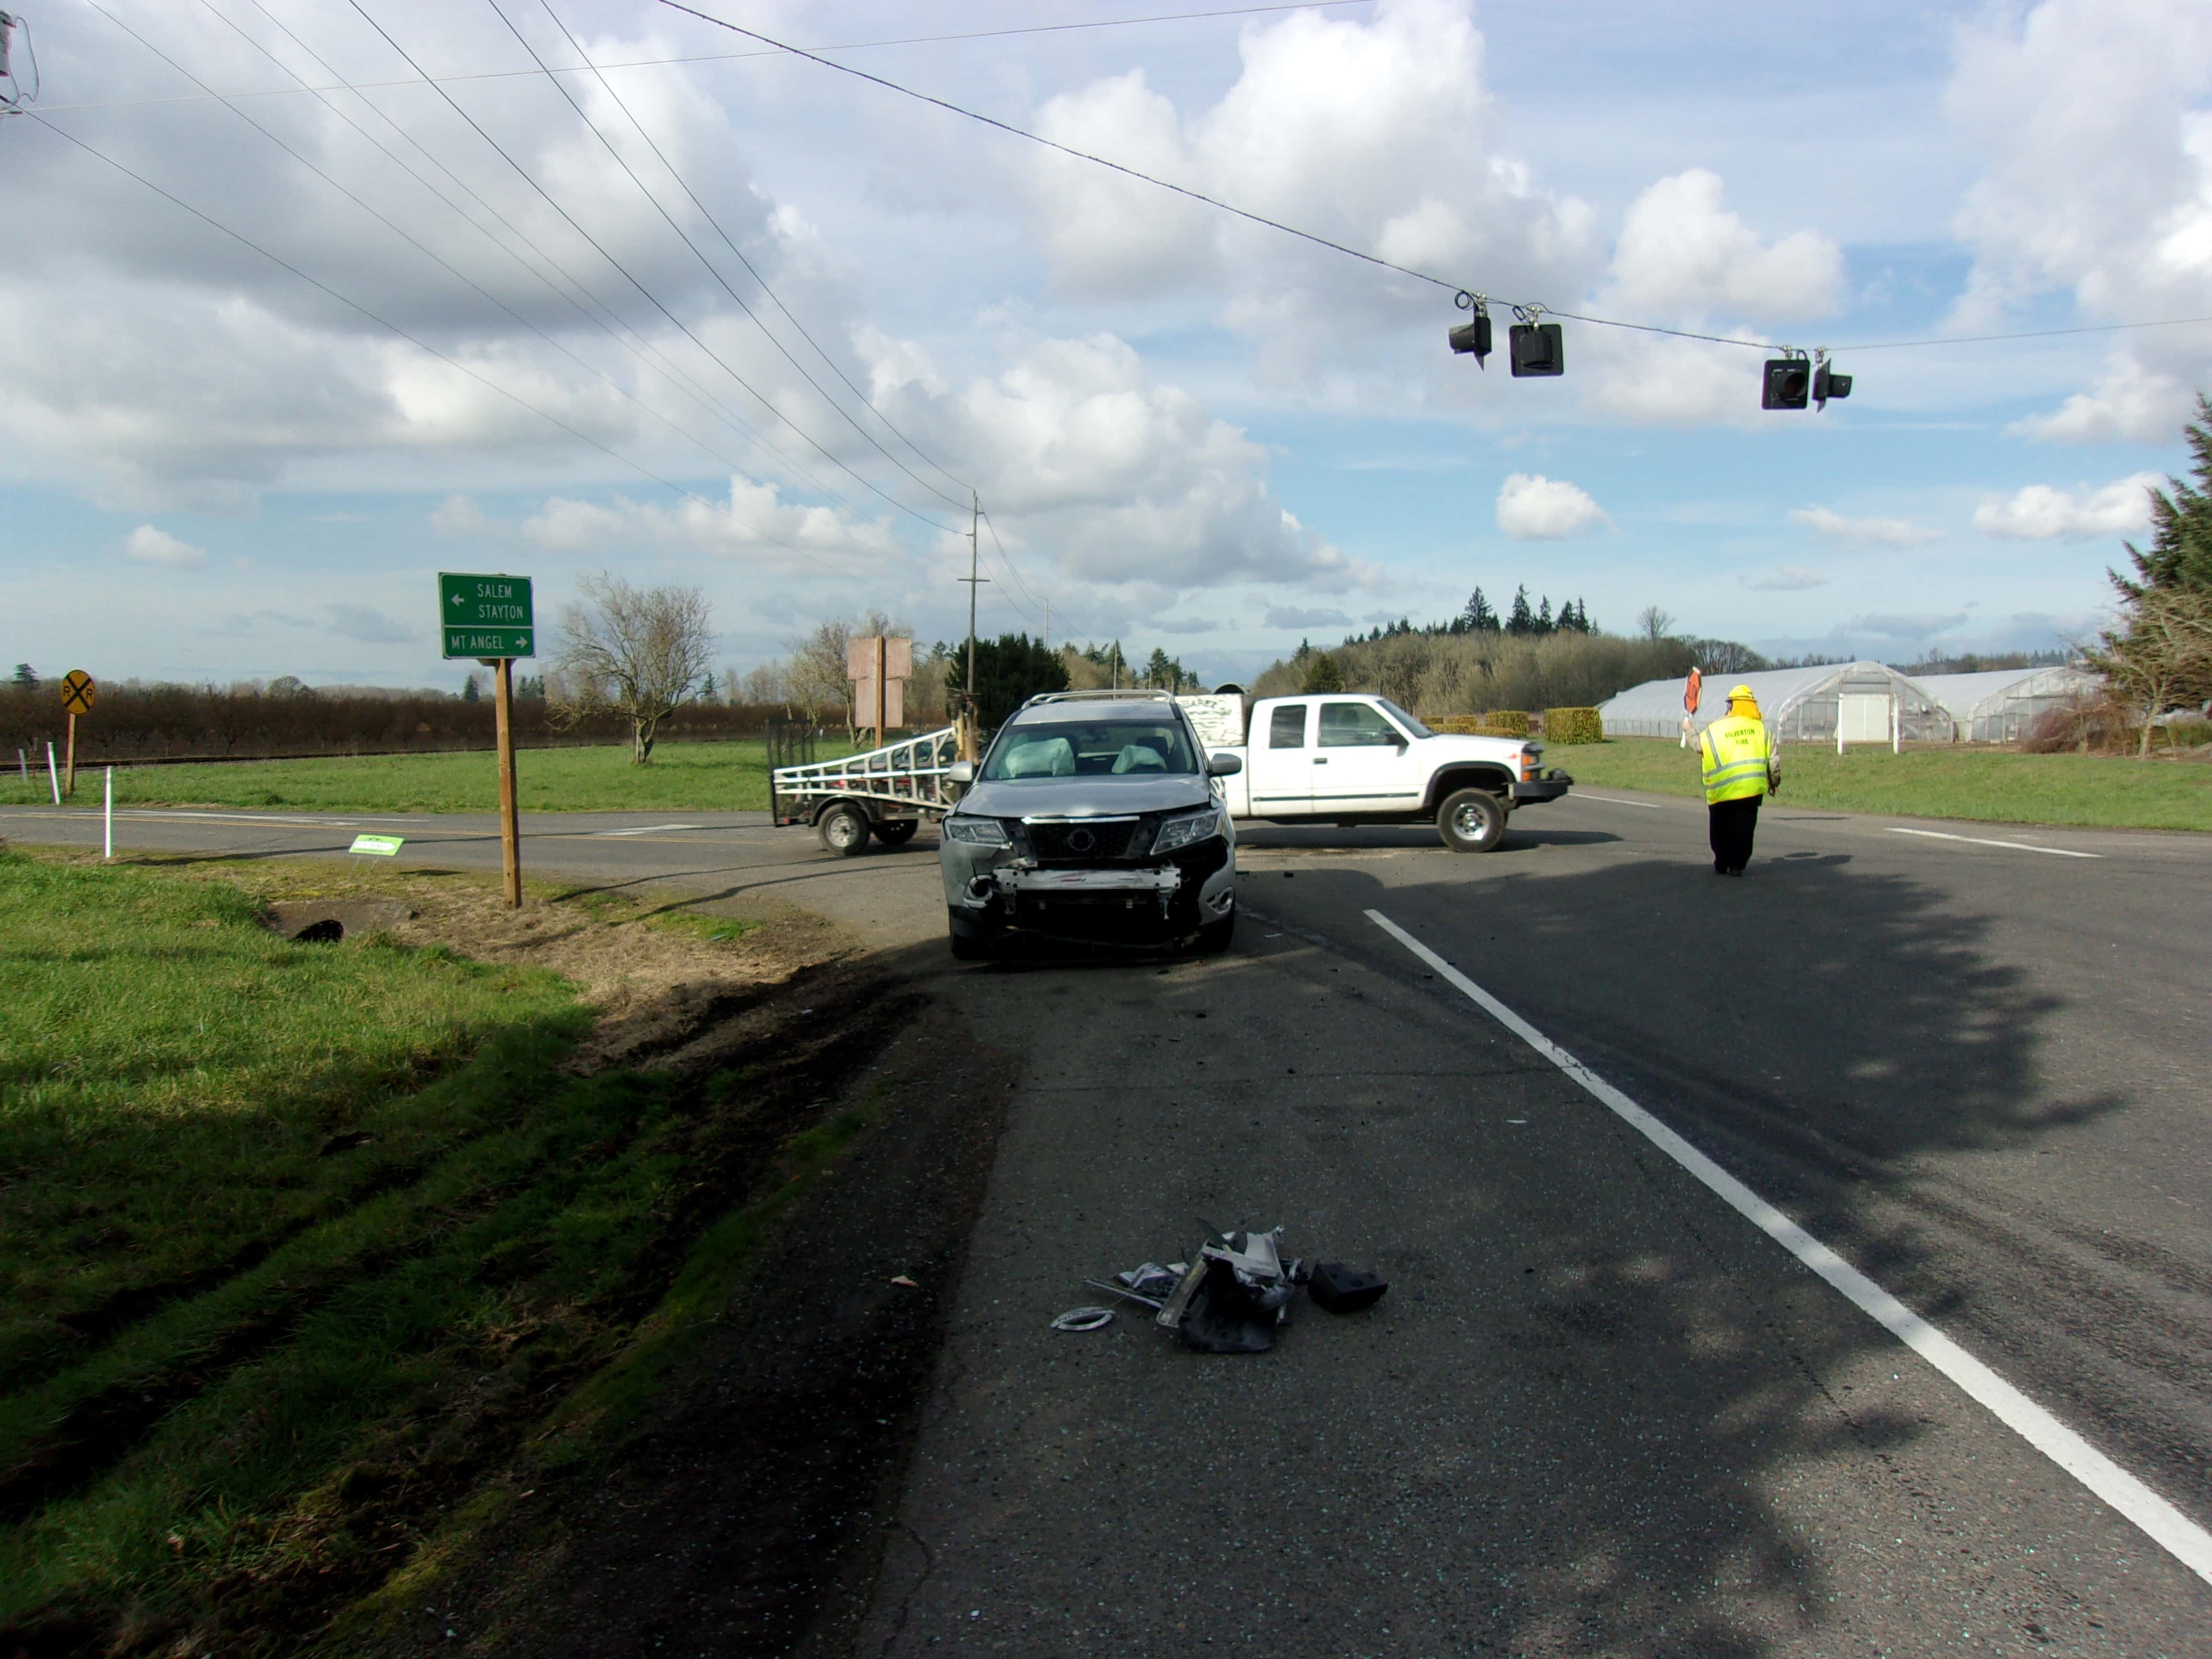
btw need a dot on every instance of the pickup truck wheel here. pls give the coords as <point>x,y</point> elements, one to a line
<point>896,832</point>
<point>1472,821</point>
<point>1213,938</point>
<point>844,830</point>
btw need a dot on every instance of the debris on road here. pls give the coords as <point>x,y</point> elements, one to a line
<point>1083,1319</point>
<point>1343,1289</point>
<point>1236,1290</point>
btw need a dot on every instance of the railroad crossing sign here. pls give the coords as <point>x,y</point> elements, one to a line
<point>485,615</point>
<point>77,691</point>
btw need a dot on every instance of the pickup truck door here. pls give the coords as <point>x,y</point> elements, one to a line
<point>1361,763</point>
<point>1279,759</point>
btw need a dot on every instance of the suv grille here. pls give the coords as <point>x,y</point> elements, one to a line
<point>1089,841</point>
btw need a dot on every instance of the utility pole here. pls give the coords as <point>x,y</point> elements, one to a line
<point>974,581</point>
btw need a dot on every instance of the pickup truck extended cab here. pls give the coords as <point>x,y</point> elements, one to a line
<point>1348,757</point>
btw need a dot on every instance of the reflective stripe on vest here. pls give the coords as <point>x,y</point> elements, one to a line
<point>1735,751</point>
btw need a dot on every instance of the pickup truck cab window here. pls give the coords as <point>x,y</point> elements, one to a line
<point>1286,727</point>
<point>1357,726</point>
<point>1071,749</point>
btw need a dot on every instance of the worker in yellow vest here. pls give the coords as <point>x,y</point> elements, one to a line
<point>1741,767</point>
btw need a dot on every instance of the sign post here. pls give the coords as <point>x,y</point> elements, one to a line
<point>78,692</point>
<point>879,665</point>
<point>490,618</point>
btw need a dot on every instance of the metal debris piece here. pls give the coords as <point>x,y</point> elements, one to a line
<point>1083,1319</point>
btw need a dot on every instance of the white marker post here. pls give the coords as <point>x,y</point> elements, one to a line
<point>107,819</point>
<point>53,774</point>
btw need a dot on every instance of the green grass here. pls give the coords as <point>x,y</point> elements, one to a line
<point>1998,786</point>
<point>684,777</point>
<point>294,1239</point>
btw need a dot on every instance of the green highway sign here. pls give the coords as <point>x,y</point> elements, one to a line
<point>486,615</point>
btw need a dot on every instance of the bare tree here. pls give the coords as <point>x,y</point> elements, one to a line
<point>816,671</point>
<point>636,652</point>
<point>1655,624</point>
<point>2164,659</point>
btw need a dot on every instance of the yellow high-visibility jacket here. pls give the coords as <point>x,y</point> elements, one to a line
<point>1739,757</point>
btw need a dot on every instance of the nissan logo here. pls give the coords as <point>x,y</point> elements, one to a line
<point>1082,842</point>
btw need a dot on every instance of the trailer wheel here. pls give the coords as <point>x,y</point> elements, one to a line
<point>843,829</point>
<point>895,832</point>
<point>1472,821</point>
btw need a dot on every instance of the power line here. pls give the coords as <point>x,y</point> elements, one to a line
<point>729,242</point>
<point>1008,559</point>
<point>728,57</point>
<point>651,298</point>
<point>637,345</point>
<point>419,344</point>
<point>2027,334</point>
<point>622,161</point>
<point>1530,309</point>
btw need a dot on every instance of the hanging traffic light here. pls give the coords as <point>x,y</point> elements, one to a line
<point>1472,338</point>
<point>1538,347</point>
<point>1827,383</point>
<point>1789,381</point>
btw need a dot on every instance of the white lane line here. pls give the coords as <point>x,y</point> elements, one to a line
<point>152,814</point>
<point>648,830</point>
<point>1983,841</point>
<point>1615,800</point>
<point>2167,1526</point>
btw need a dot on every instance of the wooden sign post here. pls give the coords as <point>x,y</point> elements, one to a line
<point>490,618</point>
<point>879,665</point>
<point>77,693</point>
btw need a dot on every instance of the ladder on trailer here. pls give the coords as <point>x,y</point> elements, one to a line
<point>900,780</point>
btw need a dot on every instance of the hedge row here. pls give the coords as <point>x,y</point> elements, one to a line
<point>1568,726</point>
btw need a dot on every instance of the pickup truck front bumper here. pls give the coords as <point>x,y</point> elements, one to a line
<point>1553,784</point>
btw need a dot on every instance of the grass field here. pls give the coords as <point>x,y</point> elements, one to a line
<point>296,1236</point>
<point>684,777</point>
<point>1995,785</point>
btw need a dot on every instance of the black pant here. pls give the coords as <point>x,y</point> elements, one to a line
<point>1732,824</point>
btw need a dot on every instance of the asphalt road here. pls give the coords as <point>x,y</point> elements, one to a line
<point>1600,1412</point>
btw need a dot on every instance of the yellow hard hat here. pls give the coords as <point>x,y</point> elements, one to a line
<point>1740,694</point>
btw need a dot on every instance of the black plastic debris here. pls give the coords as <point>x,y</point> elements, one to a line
<point>1343,1289</point>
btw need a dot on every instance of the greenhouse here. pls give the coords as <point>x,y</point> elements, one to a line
<point>2003,706</point>
<point>1864,701</point>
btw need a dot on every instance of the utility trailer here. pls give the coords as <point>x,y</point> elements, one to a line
<point>887,792</point>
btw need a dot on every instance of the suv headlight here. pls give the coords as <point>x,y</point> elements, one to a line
<point>975,831</point>
<point>1191,827</point>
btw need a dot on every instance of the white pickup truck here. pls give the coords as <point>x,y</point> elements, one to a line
<point>1348,759</point>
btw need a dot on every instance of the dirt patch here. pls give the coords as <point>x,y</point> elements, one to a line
<point>747,1510</point>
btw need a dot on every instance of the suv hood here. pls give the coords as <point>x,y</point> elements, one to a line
<point>1084,798</point>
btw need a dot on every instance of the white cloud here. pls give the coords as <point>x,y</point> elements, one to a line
<point>2097,179</point>
<point>1682,255</point>
<point>1785,579</point>
<point>1910,626</point>
<point>755,521</point>
<point>1291,616</point>
<point>457,517</point>
<point>359,621</point>
<point>2040,513</point>
<point>1533,507</point>
<point>1885,532</point>
<point>153,546</point>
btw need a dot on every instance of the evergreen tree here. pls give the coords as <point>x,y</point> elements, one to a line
<point>1323,675</point>
<point>706,688</point>
<point>469,692</point>
<point>1522,622</point>
<point>26,680</point>
<point>1480,618</point>
<point>2181,552</point>
<point>1544,623</point>
<point>1009,672</point>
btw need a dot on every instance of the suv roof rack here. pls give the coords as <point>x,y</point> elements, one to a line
<point>1101,692</point>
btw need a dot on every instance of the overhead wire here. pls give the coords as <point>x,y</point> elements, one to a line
<point>651,298</point>
<point>1008,559</point>
<point>630,172</point>
<point>399,230</point>
<point>734,57</point>
<point>752,271</point>
<point>606,318</point>
<point>421,344</point>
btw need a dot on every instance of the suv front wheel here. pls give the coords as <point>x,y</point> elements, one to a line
<point>1472,821</point>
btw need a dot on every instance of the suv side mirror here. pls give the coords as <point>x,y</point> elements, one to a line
<point>961,772</point>
<point>1222,764</point>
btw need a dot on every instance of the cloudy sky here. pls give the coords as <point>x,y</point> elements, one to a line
<point>711,313</point>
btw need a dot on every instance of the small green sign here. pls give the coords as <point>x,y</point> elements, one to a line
<point>382,846</point>
<point>486,615</point>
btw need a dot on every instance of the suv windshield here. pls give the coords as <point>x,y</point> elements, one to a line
<point>1070,749</point>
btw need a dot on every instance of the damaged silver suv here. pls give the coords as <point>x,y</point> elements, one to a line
<point>1093,819</point>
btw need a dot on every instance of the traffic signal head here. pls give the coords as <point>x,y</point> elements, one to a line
<point>1472,338</point>
<point>1787,385</point>
<point>1827,383</point>
<point>1538,348</point>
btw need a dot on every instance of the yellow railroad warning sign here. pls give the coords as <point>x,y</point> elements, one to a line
<point>77,691</point>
